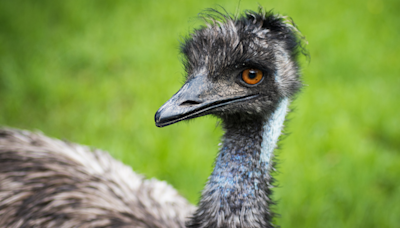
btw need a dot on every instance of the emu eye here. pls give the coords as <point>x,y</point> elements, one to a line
<point>252,76</point>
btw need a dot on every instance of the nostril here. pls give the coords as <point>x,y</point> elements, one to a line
<point>189,103</point>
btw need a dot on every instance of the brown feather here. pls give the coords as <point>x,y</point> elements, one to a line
<point>46,182</point>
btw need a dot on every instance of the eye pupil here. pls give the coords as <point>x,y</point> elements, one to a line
<point>252,74</point>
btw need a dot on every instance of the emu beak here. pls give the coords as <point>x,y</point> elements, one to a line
<point>197,97</point>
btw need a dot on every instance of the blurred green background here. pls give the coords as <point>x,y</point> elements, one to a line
<point>95,72</point>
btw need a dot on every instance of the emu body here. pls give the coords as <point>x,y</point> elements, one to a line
<point>46,182</point>
<point>242,70</point>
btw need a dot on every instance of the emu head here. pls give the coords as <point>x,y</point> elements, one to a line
<point>237,68</point>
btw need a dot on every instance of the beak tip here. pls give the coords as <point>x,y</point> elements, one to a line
<point>157,117</point>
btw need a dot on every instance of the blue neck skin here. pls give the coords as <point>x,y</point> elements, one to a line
<point>239,186</point>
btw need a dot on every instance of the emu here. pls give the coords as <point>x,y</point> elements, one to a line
<point>243,70</point>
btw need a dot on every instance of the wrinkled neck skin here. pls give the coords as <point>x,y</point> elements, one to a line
<point>238,191</point>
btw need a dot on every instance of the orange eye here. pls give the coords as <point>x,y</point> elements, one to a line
<point>252,76</point>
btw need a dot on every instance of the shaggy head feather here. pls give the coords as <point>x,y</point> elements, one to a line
<point>227,45</point>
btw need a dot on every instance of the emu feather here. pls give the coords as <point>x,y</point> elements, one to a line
<point>46,182</point>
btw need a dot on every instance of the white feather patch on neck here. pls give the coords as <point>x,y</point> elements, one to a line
<point>272,130</point>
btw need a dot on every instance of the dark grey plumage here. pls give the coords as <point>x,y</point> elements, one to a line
<point>45,182</point>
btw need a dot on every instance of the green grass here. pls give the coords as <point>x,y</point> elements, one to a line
<point>95,72</point>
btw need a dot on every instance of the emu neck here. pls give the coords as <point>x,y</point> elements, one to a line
<point>238,191</point>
